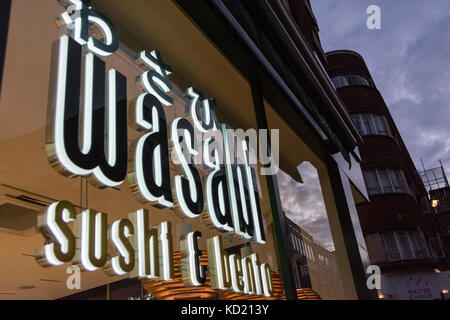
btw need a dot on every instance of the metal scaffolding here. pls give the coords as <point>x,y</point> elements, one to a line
<point>435,178</point>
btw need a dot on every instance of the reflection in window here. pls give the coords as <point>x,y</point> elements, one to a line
<point>371,124</point>
<point>303,203</point>
<point>385,181</point>
<point>404,245</point>
<point>314,257</point>
<point>345,80</point>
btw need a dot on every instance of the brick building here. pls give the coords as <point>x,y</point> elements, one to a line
<point>401,234</point>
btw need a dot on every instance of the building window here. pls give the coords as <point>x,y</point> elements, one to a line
<point>340,81</point>
<point>385,181</point>
<point>371,124</point>
<point>351,79</point>
<point>436,247</point>
<point>404,245</point>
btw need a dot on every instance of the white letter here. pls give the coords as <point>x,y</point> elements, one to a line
<point>374,20</point>
<point>74,281</point>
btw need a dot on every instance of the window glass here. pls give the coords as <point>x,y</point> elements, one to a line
<point>385,181</point>
<point>379,124</point>
<point>307,221</point>
<point>371,124</point>
<point>32,184</point>
<point>396,179</point>
<point>392,251</point>
<point>340,81</point>
<point>417,246</point>
<point>368,124</point>
<point>349,79</point>
<point>358,122</point>
<point>373,186</point>
<point>359,80</point>
<point>405,247</point>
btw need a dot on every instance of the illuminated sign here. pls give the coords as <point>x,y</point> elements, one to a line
<point>87,93</point>
<point>143,251</point>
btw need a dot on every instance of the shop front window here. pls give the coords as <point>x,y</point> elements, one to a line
<point>80,155</point>
<point>315,258</point>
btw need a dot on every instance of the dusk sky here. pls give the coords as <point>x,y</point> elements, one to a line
<point>409,59</point>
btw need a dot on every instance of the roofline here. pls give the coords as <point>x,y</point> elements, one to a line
<point>347,52</point>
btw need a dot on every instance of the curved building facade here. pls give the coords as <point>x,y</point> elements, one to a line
<point>398,229</point>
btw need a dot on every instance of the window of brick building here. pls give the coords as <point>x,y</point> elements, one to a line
<point>371,124</point>
<point>350,80</point>
<point>385,181</point>
<point>404,245</point>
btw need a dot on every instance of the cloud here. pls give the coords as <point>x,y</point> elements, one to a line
<point>409,61</point>
<point>303,203</point>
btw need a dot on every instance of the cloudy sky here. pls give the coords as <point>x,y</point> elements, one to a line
<point>303,203</point>
<point>409,59</point>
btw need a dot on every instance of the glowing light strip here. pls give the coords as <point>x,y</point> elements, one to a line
<point>144,78</point>
<point>140,152</point>
<point>206,109</point>
<point>192,262</point>
<point>87,114</point>
<point>66,18</point>
<point>152,244</point>
<point>141,242</point>
<point>108,35</point>
<point>186,170</point>
<point>112,106</point>
<point>219,258</point>
<point>60,106</point>
<point>247,275</point>
<point>60,148</point>
<point>222,201</point>
<point>149,63</point>
<point>98,230</point>
<point>85,239</point>
<point>165,250</point>
<point>209,192</point>
<point>162,85</point>
<point>267,280</point>
<point>206,157</point>
<point>256,219</point>
<point>243,202</point>
<point>77,22</point>
<point>230,181</point>
<point>257,274</point>
<point>211,210</point>
<point>120,247</point>
<point>51,223</point>
<point>140,113</point>
<point>235,269</point>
